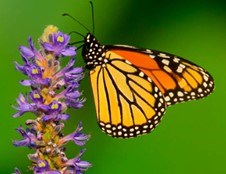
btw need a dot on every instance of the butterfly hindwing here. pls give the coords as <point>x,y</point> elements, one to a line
<point>128,103</point>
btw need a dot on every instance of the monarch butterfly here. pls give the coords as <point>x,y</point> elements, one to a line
<point>132,87</point>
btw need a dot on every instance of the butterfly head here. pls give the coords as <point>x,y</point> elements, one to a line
<point>92,51</point>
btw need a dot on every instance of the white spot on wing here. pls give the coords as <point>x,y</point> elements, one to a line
<point>206,78</point>
<point>152,56</point>
<point>148,51</point>
<point>179,69</point>
<point>167,98</point>
<point>141,74</point>
<point>165,61</point>
<point>163,55</point>
<point>176,60</point>
<point>171,94</point>
<point>205,84</point>
<point>200,90</point>
<point>180,94</point>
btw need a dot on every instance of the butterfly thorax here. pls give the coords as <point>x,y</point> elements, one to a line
<point>92,52</point>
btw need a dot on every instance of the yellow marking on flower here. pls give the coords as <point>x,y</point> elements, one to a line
<point>45,90</point>
<point>55,106</point>
<point>41,164</point>
<point>50,56</point>
<point>34,71</point>
<point>36,96</point>
<point>49,30</point>
<point>60,39</point>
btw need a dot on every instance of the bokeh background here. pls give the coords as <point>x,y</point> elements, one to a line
<point>191,137</point>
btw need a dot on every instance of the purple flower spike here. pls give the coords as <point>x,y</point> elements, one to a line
<point>77,136</point>
<point>59,45</point>
<point>26,52</point>
<point>53,89</point>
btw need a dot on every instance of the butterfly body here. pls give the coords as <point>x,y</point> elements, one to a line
<point>133,87</point>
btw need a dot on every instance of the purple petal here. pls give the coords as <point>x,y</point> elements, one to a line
<point>80,166</point>
<point>31,44</point>
<point>25,142</point>
<point>73,95</point>
<point>49,172</point>
<point>64,116</point>
<point>70,51</point>
<point>83,164</point>
<point>26,52</point>
<point>44,107</point>
<point>78,103</point>
<point>77,70</point>
<point>53,117</point>
<point>44,82</point>
<point>26,82</point>
<point>48,46</point>
<point>77,136</point>
<point>75,73</point>
<point>81,139</point>
<point>17,171</point>
<point>29,138</point>
<point>19,67</point>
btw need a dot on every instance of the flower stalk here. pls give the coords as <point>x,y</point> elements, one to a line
<point>53,90</point>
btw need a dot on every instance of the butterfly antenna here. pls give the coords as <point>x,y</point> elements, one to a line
<point>73,43</point>
<point>91,3</point>
<point>75,32</point>
<point>79,47</point>
<point>66,14</point>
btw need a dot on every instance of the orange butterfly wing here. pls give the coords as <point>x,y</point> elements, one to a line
<point>179,80</point>
<point>128,103</point>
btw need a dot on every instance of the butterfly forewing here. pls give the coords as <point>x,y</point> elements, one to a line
<point>178,79</point>
<point>128,103</point>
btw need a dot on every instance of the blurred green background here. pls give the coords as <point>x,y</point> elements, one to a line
<point>191,137</point>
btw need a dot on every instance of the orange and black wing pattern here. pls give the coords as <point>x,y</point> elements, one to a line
<point>133,87</point>
<point>178,79</point>
<point>128,103</point>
